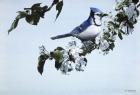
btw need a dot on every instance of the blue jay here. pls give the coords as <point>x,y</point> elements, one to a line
<point>89,29</point>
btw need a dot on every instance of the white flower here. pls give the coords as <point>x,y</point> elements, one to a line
<point>130,11</point>
<point>104,44</point>
<point>66,67</point>
<point>81,64</point>
<point>65,55</point>
<point>74,52</point>
<point>135,16</point>
<point>97,40</point>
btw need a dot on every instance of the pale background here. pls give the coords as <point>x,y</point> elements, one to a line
<point>117,73</point>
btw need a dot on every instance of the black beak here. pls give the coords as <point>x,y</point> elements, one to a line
<point>104,15</point>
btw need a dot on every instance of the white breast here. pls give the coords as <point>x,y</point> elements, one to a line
<point>90,33</point>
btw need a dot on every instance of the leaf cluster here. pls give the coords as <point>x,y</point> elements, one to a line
<point>33,14</point>
<point>122,23</point>
<point>63,59</point>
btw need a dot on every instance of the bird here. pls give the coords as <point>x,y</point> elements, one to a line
<point>89,29</point>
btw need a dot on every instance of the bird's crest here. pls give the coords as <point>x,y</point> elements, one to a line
<point>95,10</point>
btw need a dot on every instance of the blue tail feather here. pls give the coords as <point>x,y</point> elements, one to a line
<point>61,36</point>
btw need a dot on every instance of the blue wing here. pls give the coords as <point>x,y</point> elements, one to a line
<point>80,28</point>
<point>77,30</point>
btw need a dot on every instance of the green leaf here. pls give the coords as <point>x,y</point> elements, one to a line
<point>114,33</point>
<point>35,6</point>
<point>137,12</point>
<point>44,10</point>
<point>59,8</point>
<point>121,17</point>
<point>58,65</point>
<point>122,31</point>
<point>138,5</point>
<point>41,61</point>
<point>59,48</point>
<point>14,25</point>
<point>130,24</point>
<point>106,35</point>
<point>32,19</point>
<point>21,15</point>
<point>111,46</point>
<point>36,12</point>
<point>57,59</point>
<point>113,24</point>
<point>54,2</point>
<point>85,61</point>
<point>57,54</point>
<point>110,40</point>
<point>135,1</point>
<point>36,9</point>
<point>120,35</point>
